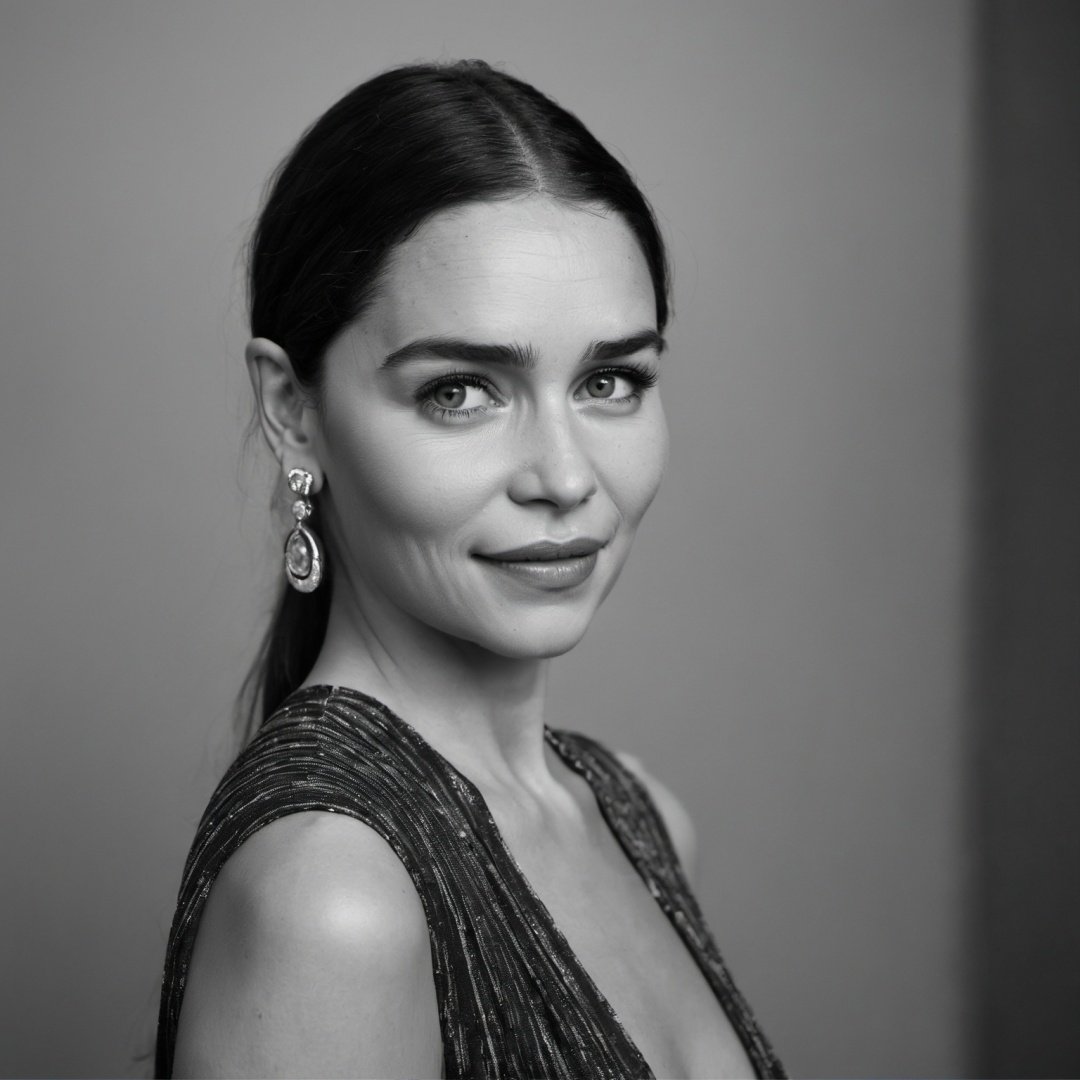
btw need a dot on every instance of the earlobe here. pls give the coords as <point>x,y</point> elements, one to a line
<point>287,416</point>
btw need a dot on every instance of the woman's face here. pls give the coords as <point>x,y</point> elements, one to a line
<point>491,434</point>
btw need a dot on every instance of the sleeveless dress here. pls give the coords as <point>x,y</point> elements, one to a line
<point>513,999</point>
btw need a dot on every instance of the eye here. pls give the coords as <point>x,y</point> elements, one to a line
<point>602,385</point>
<point>456,396</point>
<point>616,386</point>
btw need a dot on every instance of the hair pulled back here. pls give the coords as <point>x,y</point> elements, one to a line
<point>397,149</point>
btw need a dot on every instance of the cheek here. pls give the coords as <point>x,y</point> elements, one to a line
<point>634,466</point>
<point>419,487</point>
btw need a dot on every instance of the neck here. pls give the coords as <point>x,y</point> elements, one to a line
<point>483,712</point>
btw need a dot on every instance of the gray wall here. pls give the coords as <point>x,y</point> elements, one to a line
<point>786,649</point>
<point>1026,574</point>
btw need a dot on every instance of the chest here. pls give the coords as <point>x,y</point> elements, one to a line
<point>627,946</point>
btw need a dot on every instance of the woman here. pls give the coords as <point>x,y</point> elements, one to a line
<point>457,302</point>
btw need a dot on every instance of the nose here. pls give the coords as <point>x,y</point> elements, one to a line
<point>553,465</point>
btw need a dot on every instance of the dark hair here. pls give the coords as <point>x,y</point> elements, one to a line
<point>397,149</point>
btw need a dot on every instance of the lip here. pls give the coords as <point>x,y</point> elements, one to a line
<point>548,564</point>
<point>548,551</point>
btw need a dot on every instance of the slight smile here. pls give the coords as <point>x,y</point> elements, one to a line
<point>549,564</point>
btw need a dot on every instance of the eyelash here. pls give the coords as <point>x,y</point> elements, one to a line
<point>642,378</point>
<point>451,378</point>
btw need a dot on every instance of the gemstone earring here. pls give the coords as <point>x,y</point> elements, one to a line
<point>303,556</point>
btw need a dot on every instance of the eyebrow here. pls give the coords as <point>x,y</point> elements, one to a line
<point>515,355</point>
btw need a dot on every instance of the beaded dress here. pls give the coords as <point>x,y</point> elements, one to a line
<point>513,999</point>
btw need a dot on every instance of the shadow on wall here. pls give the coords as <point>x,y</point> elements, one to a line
<point>1025,940</point>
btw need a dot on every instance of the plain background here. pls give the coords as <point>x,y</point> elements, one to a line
<point>786,649</point>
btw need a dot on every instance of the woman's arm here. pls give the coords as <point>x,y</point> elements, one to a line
<point>312,959</point>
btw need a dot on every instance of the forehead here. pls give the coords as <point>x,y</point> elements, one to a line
<point>516,268</point>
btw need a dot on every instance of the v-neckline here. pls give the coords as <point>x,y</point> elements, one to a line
<point>496,841</point>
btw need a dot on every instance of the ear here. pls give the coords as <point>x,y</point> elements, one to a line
<point>287,416</point>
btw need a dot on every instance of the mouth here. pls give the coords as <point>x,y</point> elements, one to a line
<point>549,564</point>
<point>548,551</point>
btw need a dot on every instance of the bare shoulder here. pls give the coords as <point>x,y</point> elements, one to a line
<point>679,824</point>
<point>312,959</point>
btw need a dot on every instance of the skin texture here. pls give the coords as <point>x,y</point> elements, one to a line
<point>312,956</point>
<point>416,494</point>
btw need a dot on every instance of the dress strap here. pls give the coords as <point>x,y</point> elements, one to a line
<point>638,826</point>
<point>513,1000</point>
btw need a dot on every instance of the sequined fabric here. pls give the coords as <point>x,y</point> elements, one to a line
<point>513,999</point>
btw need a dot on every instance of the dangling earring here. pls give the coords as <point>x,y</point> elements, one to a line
<point>303,556</point>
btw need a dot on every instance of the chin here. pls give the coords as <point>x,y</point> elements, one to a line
<point>544,650</point>
<point>539,639</point>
